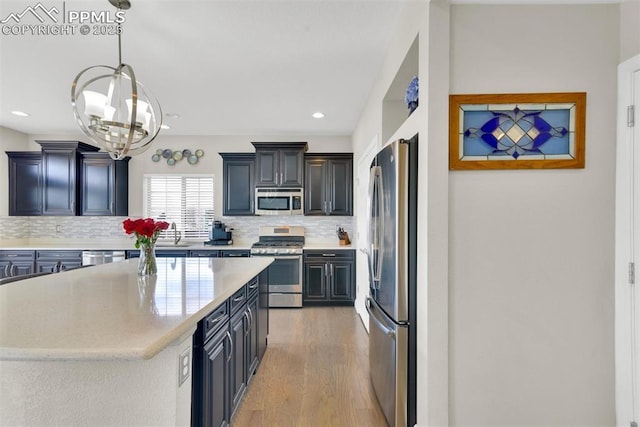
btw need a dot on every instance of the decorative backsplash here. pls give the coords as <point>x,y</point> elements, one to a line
<point>109,227</point>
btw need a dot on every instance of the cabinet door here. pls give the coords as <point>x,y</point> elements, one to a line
<point>15,268</point>
<point>59,181</point>
<point>237,378</point>
<point>315,201</point>
<point>267,174</point>
<point>340,187</point>
<point>238,190</point>
<point>252,335</point>
<point>25,184</point>
<point>104,185</point>
<point>5,269</point>
<point>98,187</point>
<point>342,280</point>
<point>291,168</point>
<point>215,383</point>
<point>49,266</point>
<point>263,312</point>
<point>315,281</point>
<point>23,267</point>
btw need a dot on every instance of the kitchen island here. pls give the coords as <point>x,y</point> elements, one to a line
<point>102,346</point>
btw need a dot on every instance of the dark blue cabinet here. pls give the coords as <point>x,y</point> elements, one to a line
<point>25,183</point>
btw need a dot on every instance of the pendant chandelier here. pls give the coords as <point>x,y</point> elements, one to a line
<point>113,108</point>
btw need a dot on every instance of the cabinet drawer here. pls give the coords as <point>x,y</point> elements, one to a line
<point>238,299</point>
<point>56,255</point>
<point>216,320</point>
<point>329,255</point>
<point>252,287</point>
<point>236,253</point>
<point>204,254</point>
<point>17,255</point>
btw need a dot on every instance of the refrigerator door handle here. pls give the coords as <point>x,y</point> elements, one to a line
<point>376,228</point>
<point>388,332</point>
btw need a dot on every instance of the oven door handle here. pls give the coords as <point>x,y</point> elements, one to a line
<point>285,257</point>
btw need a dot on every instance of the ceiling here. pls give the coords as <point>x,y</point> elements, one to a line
<point>226,67</point>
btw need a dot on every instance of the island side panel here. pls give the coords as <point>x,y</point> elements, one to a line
<point>107,393</point>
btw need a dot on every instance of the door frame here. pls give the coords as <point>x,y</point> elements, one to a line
<point>627,246</point>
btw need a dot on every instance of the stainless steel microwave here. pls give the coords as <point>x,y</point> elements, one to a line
<point>279,201</point>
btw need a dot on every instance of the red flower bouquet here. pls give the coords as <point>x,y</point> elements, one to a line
<point>146,231</point>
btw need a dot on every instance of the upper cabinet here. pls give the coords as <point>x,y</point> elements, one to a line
<point>25,183</point>
<point>279,164</point>
<point>238,171</point>
<point>60,163</point>
<point>328,184</point>
<point>67,178</point>
<point>104,185</point>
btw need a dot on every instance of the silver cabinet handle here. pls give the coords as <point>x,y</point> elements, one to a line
<point>230,347</point>
<point>210,323</point>
<point>238,299</point>
<point>331,265</point>
<point>325,271</point>
<point>6,270</point>
<point>281,179</point>
<point>250,318</point>
<point>13,270</point>
<point>253,285</point>
<point>328,254</point>
<point>246,315</point>
<point>330,206</point>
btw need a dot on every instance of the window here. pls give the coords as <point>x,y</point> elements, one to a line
<point>186,200</point>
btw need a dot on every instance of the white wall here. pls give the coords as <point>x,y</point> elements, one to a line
<point>629,29</point>
<point>10,140</point>
<point>531,251</point>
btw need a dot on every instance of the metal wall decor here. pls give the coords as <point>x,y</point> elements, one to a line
<point>517,131</point>
<point>192,157</point>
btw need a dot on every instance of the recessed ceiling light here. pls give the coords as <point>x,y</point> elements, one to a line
<point>20,113</point>
<point>165,126</point>
<point>317,115</point>
<point>172,115</point>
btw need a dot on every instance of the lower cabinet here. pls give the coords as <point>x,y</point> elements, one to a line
<point>16,263</point>
<point>57,261</point>
<point>329,277</point>
<point>225,357</point>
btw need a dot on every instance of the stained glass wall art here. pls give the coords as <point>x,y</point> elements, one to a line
<point>517,131</point>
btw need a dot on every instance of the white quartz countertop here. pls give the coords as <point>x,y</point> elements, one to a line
<point>107,312</point>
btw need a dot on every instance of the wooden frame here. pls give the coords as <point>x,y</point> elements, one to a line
<point>509,131</point>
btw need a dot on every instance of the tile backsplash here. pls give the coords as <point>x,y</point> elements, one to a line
<point>109,227</point>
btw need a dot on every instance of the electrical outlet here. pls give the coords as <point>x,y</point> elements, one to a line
<point>58,228</point>
<point>184,365</point>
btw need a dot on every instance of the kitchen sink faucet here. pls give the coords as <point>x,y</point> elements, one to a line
<point>177,235</point>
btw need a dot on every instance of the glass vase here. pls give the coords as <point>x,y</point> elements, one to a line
<point>147,263</point>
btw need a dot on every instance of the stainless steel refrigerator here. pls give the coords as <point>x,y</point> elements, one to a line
<point>391,250</point>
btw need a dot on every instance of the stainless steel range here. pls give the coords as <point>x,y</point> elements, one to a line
<point>285,274</point>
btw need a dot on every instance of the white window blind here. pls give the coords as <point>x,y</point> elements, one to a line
<point>186,200</point>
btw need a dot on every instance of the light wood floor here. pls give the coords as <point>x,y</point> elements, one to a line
<point>315,373</point>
